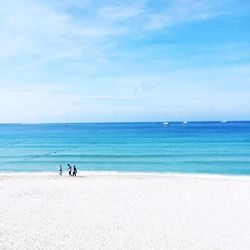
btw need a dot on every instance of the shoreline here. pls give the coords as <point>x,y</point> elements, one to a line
<point>126,174</point>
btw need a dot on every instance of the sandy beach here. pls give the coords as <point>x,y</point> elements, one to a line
<point>119,211</point>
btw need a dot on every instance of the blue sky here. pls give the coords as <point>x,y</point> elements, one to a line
<point>100,61</point>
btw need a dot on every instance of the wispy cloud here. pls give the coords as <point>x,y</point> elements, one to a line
<point>121,56</point>
<point>119,13</point>
<point>70,96</point>
<point>181,11</point>
<point>39,30</point>
<point>72,29</point>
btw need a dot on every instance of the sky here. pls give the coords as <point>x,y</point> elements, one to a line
<point>117,61</point>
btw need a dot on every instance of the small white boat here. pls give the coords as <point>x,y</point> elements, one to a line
<point>225,121</point>
<point>185,122</point>
<point>165,123</point>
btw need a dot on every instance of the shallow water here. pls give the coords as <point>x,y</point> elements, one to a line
<point>195,147</point>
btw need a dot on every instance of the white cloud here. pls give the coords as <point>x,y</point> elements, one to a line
<point>42,32</point>
<point>67,59</point>
<point>180,11</point>
<point>119,13</point>
<point>57,95</point>
<point>67,29</point>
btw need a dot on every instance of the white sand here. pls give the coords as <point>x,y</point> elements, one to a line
<point>124,212</point>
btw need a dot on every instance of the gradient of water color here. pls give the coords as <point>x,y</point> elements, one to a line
<point>194,147</point>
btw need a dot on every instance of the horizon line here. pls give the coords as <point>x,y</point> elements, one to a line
<point>162,121</point>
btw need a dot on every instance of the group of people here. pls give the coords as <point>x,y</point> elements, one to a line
<point>71,170</point>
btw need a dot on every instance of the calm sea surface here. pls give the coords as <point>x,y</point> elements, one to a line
<point>195,147</point>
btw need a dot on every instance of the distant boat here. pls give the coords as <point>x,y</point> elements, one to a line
<point>165,123</point>
<point>225,121</point>
<point>185,122</point>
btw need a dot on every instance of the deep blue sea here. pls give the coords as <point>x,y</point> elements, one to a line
<point>194,147</point>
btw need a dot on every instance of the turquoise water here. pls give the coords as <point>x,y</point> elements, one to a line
<point>195,147</point>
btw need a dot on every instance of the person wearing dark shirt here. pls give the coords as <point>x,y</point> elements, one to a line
<point>74,171</point>
<point>70,169</point>
<point>60,169</point>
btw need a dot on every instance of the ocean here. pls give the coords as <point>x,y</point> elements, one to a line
<point>193,147</point>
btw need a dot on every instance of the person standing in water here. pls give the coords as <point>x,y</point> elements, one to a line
<point>70,169</point>
<point>60,169</point>
<point>74,171</point>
